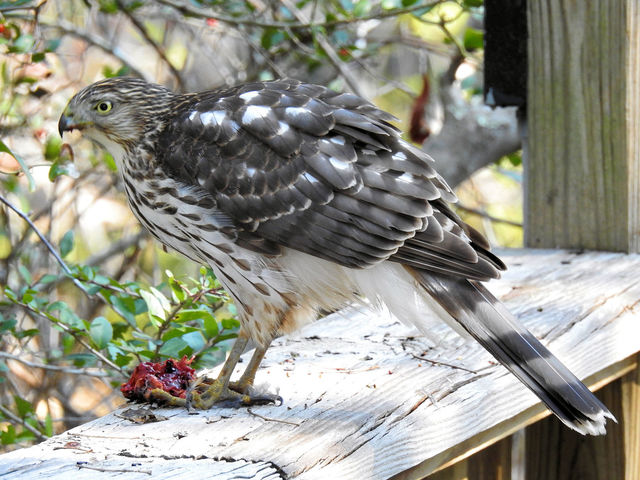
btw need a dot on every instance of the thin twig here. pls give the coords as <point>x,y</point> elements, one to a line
<point>113,470</point>
<point>96,41</point>
<point>145,35</point>
<point>263,53</point>
<point>74,334</point>
<point>437,363</point>
<point>14,418</point>
<point>480,213</point>
<point>43,239</point>
<point>56,368</point>
<point>267,419</point>
<point>115,248</point>
<point>328,49</point>
<point>303,24</point>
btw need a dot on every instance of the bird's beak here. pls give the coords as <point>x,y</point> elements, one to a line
<point>64,124</point>
<point>67,122</point>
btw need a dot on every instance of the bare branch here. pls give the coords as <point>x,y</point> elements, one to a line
<point>93,40</point>
<point>14,418</point>
<point>480,213</point>
<point>145,35</point>
<point>116,248</point>
<point>56,368</point>
<point>75,335</point>
<point>303,24</point>
<point>328,48</point>
<point>43,239</point>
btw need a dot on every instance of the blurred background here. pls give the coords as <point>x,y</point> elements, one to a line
<point>86,293</point>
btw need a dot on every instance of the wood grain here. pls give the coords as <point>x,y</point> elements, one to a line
<point>630,390</point>
<point>360,404</point>
<point>582,162</point>
<point>555,453</point>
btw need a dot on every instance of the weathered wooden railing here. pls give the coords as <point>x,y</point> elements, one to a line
<point>366,398</point>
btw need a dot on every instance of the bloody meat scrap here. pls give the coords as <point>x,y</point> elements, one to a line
<point>149,378</point>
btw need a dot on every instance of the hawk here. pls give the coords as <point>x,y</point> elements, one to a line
<point>303,199</point>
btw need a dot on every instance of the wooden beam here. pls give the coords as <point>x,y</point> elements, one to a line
<point>582,155</point>
<point>631,418</point>
<point>582,189</point>
<point>555,453</point>
<point>365,397</point>
<point>549,445</point>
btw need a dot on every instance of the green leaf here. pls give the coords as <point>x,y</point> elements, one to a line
<point>109,162</point>
<point>47,278</point>
<point>188,315</point>
<point>52,147</point>
<point>166,305</point>
<point>473,39</point>
<point>22,44</point>
<point>173,347</point>
<point>230,323</point>
<point>37,57</point>
<point>66,315</point>
<point>7,324</point>
<point>62,167</point>
<point>66,243</point>
<point>195,340</point>
<point>48,425</point>
<point>82,359</point>
<point>14,4</point>
<point>178,292</point>
<point>26,274</point>
<point>101,332</point>
<point>390,4</point>
<point>108,72</point>
<point>361,8</point>
<point>125,307</point>
<point>31,332</point>
<point>473,3</point>
<point>154,307</point>
<point>52,44</point>
<point>108,6</point>
<point>515,158</point>
<point>272,36</point>
<point>23,407</point>
<point>21,162</point>
<point>211,329</point>
<point>8,436</point>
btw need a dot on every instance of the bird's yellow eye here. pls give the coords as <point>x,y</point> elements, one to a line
<point>104,106</point>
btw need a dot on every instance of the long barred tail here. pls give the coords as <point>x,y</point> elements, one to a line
<point>496,329</point>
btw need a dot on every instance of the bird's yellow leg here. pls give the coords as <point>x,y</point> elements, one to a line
<point>204,392</point>
<point>218,390</point>
<point>245,382</point>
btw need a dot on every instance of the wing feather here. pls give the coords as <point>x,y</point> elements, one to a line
<point>300,166</point>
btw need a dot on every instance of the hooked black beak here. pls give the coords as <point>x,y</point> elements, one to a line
<point>67,123</point>
<point>64,124</point>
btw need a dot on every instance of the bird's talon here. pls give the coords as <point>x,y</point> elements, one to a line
<point>159,396</point>
<point>250,396</point>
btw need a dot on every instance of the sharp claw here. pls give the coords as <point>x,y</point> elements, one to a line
<point>262,399</point>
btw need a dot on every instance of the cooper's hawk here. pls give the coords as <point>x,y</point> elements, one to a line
<point>300,199</point>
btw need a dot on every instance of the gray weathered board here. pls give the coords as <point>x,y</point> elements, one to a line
<point>359,403</point>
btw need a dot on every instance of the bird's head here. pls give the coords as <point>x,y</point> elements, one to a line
<point>116,112</point>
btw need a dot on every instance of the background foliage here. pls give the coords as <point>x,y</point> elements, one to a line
<point>86,295</point>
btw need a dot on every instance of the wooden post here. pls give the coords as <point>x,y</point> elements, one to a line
<point>582,179</point>
<point>582,189</point>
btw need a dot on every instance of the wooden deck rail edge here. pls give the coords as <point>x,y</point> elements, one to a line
<point>366,398</point>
